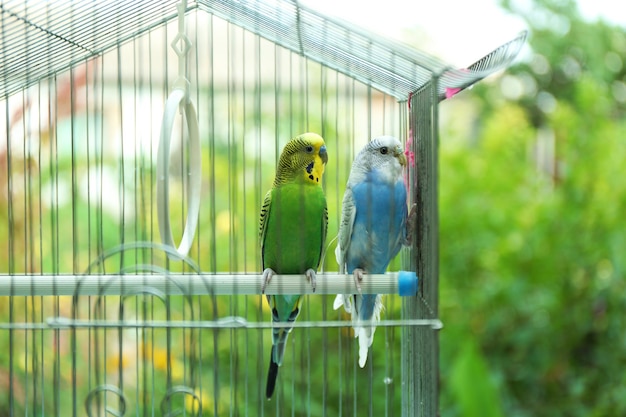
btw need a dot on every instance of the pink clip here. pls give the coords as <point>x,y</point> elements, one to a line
<point>450,92</point>
<point>410,155</point>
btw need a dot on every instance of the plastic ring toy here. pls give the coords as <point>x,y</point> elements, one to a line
<point>176,98</point>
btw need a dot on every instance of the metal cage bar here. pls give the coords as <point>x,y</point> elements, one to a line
<point>420,347</point>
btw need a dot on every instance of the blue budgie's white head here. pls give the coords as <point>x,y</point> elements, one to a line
<point>383,155</point>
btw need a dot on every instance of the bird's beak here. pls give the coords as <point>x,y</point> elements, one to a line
<point>400,155</point>
<point>323,154</point>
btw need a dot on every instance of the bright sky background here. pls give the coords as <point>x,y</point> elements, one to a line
<point>460,31</point>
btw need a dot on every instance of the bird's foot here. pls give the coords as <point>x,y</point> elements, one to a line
<point>311,277</point>
<point>410,224</point>
<point>268,273</point>
<point>358,278</point>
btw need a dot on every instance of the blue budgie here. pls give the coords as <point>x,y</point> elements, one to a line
<point>373,229</point>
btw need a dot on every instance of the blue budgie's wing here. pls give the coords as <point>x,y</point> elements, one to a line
<point>399,228</point>
<point>348,213</point>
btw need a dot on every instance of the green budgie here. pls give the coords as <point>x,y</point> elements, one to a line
<point>293,224</point>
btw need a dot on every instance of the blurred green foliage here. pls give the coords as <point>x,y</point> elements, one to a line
<point>533,239</point>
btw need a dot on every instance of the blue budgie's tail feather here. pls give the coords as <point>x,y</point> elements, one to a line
<point>365,310</point>
<point>341,300</point>
<point>272,373</point>
<point>365,334</point>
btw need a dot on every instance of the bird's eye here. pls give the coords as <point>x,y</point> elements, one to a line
<point>384,150</point>
<point>309,149</point>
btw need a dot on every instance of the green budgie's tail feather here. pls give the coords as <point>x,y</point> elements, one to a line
<point>276,359</point>
<point>272,373</point>
<point>278,350</point>
<point>280,334</point>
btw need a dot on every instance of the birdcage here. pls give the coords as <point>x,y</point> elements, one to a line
<point>138,140</point>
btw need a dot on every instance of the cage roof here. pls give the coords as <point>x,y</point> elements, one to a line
<point>41,38</point>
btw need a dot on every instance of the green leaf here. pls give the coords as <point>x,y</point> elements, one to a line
<point>472,385</point>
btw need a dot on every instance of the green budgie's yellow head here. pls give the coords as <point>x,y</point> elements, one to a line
<point>303,160</point>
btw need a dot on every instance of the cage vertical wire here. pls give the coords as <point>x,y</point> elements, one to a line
<point>99,316</point>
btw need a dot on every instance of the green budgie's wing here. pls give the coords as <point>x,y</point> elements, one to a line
<point>348,213</point>
<point>324,233</point>
<point>265,212</point>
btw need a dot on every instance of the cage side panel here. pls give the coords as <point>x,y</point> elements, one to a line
<point>420,375</point>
